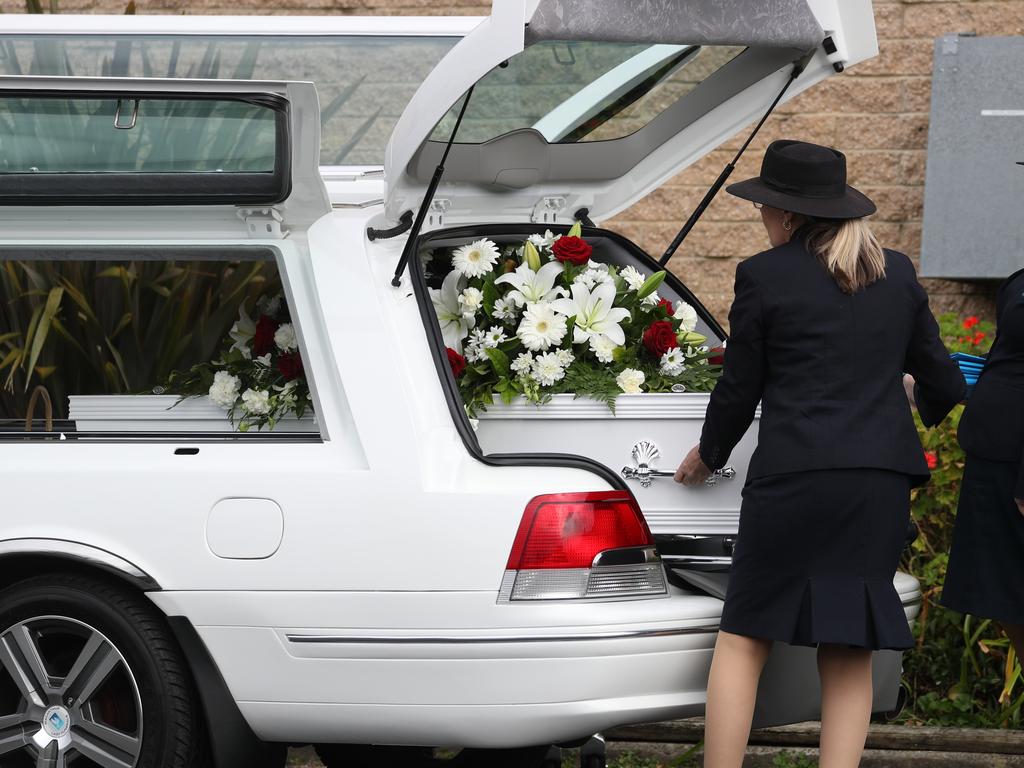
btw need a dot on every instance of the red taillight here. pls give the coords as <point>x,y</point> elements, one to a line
<point>567,530</point>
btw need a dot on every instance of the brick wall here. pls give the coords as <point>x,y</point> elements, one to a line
<point>877,113</point>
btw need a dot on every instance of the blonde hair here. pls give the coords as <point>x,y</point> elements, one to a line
<point>850,251</point>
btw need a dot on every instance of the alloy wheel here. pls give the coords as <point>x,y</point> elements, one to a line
<point>68,698</point>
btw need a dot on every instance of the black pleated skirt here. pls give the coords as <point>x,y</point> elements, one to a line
<point>815,559</point>
<point>985,576</point>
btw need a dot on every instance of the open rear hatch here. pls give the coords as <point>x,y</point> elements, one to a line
<point>575,107</point>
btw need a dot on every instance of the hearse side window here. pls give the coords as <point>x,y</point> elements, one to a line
<point>133,343</point>
<point>364,81</point>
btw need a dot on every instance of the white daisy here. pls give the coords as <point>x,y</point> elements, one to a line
<point>505,310</point>
<point>470,301</point>
<point>475,345</point>
<point>672,362</point>
<point>603,347</point>
<point>630,380</point>
<point>476,259</point>
<point>541,327</point>
<point>547,369</point>
<point>522,364</point>
<point>634,277</point>
<point>494,336</point>
<point>687,315</point>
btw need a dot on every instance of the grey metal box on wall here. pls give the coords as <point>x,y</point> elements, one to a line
<point>974,190</point>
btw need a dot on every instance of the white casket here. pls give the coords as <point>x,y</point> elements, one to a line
<point>163,413</point>
<point>656,430</point>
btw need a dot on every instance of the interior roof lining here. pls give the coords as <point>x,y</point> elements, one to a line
<point>525,150</point>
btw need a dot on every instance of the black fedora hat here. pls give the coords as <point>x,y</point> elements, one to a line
<point>804,178</point>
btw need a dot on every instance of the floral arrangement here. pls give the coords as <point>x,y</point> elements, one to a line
<point>259,379</point>
<point>542,317</point>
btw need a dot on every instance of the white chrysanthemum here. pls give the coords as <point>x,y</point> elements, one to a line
<point>541,327</point>
<point>224,390</point>
<point>544,241</point>
<point>594,274</point>
<point>672,362</point>
<point>285,338</point>
<point>547,369</point>
<point>476,259</point>
<point>634,277</point>
<point>505,310</point>
<point>475,345</point>
<point>470,301</point>
<point>629,380</point>
<point>494,336</point>
<point>256,402</point>
<point>652,300</point>
<point>269,306</point>
<point>603,347</point>
<point>523,363</point>
<point>687,316</point>
<point>565,357</point>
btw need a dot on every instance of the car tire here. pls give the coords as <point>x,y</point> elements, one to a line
<point>116,690</point>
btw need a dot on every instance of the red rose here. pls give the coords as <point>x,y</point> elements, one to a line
<point>572,249</point>
<point>716,356</point>
<point>263,340</point>
<point>290,365</point>
<point>931,459</point>
<point>667,306</point>
<point>659,338</point>
<point>971,321</point>
<point>456,361</point>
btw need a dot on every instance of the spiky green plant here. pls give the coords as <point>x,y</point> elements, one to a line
<point>105,327</point>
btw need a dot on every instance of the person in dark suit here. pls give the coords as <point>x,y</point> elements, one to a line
<point>984,577</point>
<point>822,329</point>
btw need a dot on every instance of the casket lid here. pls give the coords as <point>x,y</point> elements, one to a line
<point>594,103</point>
<point>205,155</point>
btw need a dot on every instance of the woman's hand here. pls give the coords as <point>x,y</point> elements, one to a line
<point>908,386</point>
<point>1020,503</point>
<point>693,470</point>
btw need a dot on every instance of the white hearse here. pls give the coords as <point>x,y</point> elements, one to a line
<point>385,572</point>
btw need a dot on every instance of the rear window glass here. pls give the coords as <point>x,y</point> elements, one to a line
<point>364,81</point>
<point>68,134</point>
<point>583,91</point>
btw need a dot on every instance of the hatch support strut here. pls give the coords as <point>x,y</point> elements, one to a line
<point>428,196</point>
<point>798,67</point>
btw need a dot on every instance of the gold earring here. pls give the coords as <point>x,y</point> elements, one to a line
<point>787,225</point>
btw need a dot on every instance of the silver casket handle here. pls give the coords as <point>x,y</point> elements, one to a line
<point>645,453</point>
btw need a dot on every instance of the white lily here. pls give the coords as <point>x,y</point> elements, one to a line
<point>242,332</point>
<point>595,313</point>
<point>455,325</point>
<point>533,287</point>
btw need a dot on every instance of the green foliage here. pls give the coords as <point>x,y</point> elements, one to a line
<point>963,671</point>
<point>90,327</point>
<point>787,759</point>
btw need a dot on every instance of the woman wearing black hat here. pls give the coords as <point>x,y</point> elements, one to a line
<point>984,576</point>
<point>822,328</point>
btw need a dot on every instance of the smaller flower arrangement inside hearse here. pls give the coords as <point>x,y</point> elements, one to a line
<point>540,317</point>
<point>259,379</point>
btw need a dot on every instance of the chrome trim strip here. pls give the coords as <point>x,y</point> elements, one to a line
<point>377,640</point>
<point>702,559</point>
<point>82,553</point>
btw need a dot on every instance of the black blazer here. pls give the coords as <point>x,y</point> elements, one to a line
<point>827,368</point>
<point>992,426</point>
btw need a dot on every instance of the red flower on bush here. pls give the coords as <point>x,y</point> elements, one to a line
<point>931,459</point>
<point>290,365</point>
<point>263,340</point>
<point>456,361</point>
<point>971,321</point>
<point>574,250</point>
<point>667,306</point>
<point>978,338</point>
<point>659,338</point>
<point>716,356</point>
